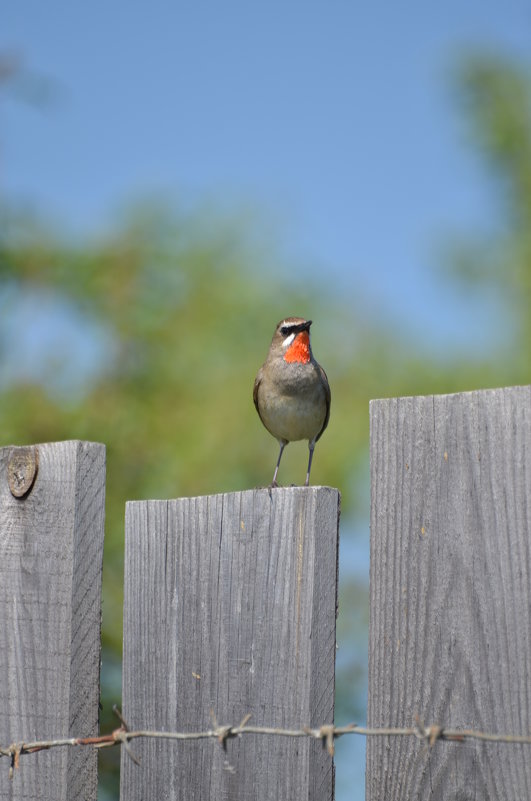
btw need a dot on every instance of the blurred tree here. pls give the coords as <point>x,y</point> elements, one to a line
<point>495,100</point>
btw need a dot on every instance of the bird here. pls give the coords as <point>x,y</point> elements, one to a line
<point>291,391</point>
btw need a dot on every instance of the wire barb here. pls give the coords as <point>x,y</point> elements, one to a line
<point>122,736</point>
<point>15,750</point>
<point>327,733</point>
<point>430,734</point>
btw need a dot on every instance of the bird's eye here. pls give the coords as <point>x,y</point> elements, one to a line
<point>286,330</point>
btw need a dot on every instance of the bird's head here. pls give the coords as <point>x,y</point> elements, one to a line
<point>292,338</point>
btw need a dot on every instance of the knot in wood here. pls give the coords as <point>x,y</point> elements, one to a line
<point>22,468</point>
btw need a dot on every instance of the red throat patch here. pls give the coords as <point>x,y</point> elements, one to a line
<point>299,350</point>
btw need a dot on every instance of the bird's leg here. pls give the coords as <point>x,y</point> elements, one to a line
<point>282,446</point>
<point>311,446</point>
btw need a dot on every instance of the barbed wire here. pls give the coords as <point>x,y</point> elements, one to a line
<point>327,732</point>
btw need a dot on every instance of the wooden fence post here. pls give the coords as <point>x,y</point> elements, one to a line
<point>230,607</point>
<point>450,626</point>
<point>51,543</point>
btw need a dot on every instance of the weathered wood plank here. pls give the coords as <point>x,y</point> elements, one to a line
<point>230,606</point>
<point>51,546</point>
<point>450,626</point>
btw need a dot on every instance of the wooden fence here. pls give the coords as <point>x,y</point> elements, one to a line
<point>51,545</point>
<point>230,607</point>
<point>450,626</point>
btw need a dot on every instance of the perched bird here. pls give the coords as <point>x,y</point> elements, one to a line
<point>291,391</point>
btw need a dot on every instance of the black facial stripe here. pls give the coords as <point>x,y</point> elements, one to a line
<point>294,328</point>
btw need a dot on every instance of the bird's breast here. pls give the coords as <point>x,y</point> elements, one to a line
<point>293,403</point>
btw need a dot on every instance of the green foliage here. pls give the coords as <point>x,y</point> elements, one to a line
<point>495,96</point>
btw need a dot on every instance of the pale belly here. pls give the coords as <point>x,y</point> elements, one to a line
<point>292,417</point>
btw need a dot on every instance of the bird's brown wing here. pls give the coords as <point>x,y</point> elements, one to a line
<point>326,387</point>
<point>257,382</point>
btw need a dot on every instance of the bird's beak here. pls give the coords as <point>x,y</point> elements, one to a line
<point>304,326</point>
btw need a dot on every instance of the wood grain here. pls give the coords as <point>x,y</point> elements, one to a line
<point>51,547</point>
<point>230,608</point>
<point>450,625</point>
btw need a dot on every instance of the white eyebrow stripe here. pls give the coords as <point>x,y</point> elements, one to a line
<point>289,339</point>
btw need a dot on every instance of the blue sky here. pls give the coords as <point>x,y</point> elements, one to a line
<point>334,122</point>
